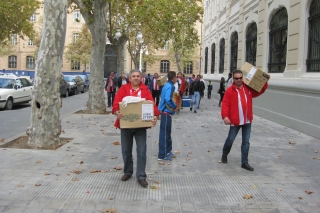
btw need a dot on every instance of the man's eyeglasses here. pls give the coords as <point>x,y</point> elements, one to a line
<point>238,78</point>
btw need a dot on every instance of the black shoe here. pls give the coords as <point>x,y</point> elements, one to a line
<point>190,109</point>
<point>143,182</point>
<point>247,167</point>
<point>224,159</point>
<point>108,106</point>
<point>195,111</point>
<point>125,177</point>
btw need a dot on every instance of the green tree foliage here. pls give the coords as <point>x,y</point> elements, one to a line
<point>15,18</point>
<point>6,48</point>
<point>80,50</point>
<point>165,20</point>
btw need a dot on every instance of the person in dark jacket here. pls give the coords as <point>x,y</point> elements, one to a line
<point>122,80</point>
<point>209,89</point>
<point>196,91</point>
<point>222,89</point>
<point>155,88</point>
<point>111,87</point>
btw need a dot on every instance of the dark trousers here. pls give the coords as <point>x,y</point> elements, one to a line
<point>156,96</point>
<point>233,131</point>
<point>221,98</point>
<point>165,140</point>
<point>111,95</point>
<point>209,94</point>
<point>140,135</point>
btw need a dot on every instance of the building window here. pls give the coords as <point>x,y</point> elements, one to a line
<point>251,43</point>
<point>166,46</point>
<point>12,61</point>
<point>278,42</point>
<point>221,55</point>
<point>187,69</point>
<point>165,66</point>
<point>75,65</point>
<point>234,51</point>
<point>30,62</point>
<point>33,18</point>
<point>75,37</point>
<point>30,42</point>
<point>13,39</point>
<point>313,61</point>
<point>76,16</point>
<point>213,56</point>
<point>206,60</point>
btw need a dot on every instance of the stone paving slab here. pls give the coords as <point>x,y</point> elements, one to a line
<point>193,182</point>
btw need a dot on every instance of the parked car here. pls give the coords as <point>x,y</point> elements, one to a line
<point>13,91</point>
<point>64,88</point>
<point>76,84</point>
<point>86,79</point>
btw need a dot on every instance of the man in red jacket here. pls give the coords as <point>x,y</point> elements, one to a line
<point>137,89</point>
<point>236,111</point>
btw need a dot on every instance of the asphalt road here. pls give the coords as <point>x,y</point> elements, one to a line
<point>16,121</point>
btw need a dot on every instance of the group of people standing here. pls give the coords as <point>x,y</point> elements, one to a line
<point>236,111</point>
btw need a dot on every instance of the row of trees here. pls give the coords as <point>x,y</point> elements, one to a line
<point>159,21</point>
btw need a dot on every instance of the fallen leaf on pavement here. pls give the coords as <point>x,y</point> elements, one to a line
<point>291,150</point>
<point>156,182</point>
<point>279,157</point>
<point>118,167</point>
<point>161,163</point>
<point>316,158</point>
<point>2,140</point>
<point>279,189</point>
<point>94,171</point>
<point>292,142</point>
<point>76,171</point>
<point>154,187</point>
<point>61,161</point>
<point>309,191</point>
<point>103,171</point>
<point>176,151</point>
<point>20,185</point>
<point>254,187</point>
<point>80,162</point>
<point>219,161</point>
<point>38,161</point>
<point>182,165</point>
<point>46,173</point>
<point>246,196</point>
<point>315,151</point>
<point>300,197</point>
<point>75,179</point>
<point>38,184</point>
<point>105,210</point>
<point>209,151</point>
<point>116,143</point>
<point>110,198</point>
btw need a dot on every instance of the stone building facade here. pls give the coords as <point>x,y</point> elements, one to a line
<point>282,38</point>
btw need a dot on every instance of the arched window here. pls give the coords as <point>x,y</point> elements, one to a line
<point>187,69</point>
<point>30,62</point>
<point>251,43</point>
<point>234,51</point>
<point>278,41</point>
<point>165,66</point>
<point>313,61</point>
<point>221,55</point>
<point>206,61</point>
<point>213,56</point>
<point>12,61</point>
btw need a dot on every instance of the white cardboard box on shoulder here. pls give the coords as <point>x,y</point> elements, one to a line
<point>136,115</point>
<point>254,77</point>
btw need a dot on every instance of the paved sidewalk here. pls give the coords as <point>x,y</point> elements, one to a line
<point>193,182</point>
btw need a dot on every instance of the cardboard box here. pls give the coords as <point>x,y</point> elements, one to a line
<point>137,115</point>
<point>162,81</point>
<point>254,77</point>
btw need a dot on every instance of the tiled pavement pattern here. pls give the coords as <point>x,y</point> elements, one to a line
<point>193,182</point>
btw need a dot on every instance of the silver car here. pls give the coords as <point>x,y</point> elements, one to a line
<point>13,91</point>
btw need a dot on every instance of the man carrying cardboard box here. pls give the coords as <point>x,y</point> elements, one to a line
<point>236,111</point>
<point>137,89</point>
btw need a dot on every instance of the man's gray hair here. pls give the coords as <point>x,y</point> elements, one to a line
<point>134,70</point>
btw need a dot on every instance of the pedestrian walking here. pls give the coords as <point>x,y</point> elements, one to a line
<point>137,89</point>
<point>209,90</point>
<point>222,89</point>
<point>236,111</point>
<point>155,89</point>
<point>111,87</point>
<point>122,80</point>
<point>182,83</point>
<point>165,140</point>
<point>229,80</point>
<point>197,90</point>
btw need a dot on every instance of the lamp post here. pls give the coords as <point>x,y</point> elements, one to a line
<point>142,48</point>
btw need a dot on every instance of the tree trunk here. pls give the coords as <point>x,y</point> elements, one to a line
<point>45,126</point>
<point>178,62</point>
<point>120,54</point>
<point>98,28</point>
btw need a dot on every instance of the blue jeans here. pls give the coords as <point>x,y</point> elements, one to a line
<point>246,130</point>
<point>165,140</point>
<point>195,100</point>
<point>140,135</point>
